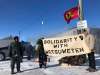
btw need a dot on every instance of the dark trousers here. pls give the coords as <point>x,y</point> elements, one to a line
<point>15,60</point>
<point>42,63</point>
<point>91,59</point>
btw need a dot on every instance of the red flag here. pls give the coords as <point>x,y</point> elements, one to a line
<point>71,14</point>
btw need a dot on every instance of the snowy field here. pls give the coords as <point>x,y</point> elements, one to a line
<point>31,68</point>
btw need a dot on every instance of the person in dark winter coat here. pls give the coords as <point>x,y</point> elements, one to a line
<point>15,54</point>
<point>41,53</point>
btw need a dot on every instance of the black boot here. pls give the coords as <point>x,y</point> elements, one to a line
<point>12,72</point>
<point>40,65</point>
<point>91,69</point>
<point>19,71</point>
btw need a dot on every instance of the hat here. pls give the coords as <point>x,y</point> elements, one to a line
<point>16,37</point>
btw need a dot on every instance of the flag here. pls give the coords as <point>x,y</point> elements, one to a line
<point>71,14</point>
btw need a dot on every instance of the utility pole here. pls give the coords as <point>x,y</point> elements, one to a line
<point>81,17</point>
<point>19,34</point>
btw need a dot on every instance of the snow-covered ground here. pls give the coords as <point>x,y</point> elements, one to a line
<point>31,68</point>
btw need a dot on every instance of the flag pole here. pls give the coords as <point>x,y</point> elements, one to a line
<point>81,16</point>
<point>81,10</point>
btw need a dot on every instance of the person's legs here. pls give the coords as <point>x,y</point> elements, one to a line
<point>45,64</point>
<point>18,64</point>
<point>40,64</point>
<point>12,65</point>
<point>91,58</point>
<point>92,65</point>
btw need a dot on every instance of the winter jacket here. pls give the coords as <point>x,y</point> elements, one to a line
<point>90,41</point>
<point>15,50</point>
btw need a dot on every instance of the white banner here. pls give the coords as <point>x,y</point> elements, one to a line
<point>66,46</point>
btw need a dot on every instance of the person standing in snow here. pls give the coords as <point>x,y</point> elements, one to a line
<point>41,54</point>
<point>90,41</point>
<point>15,53</point>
